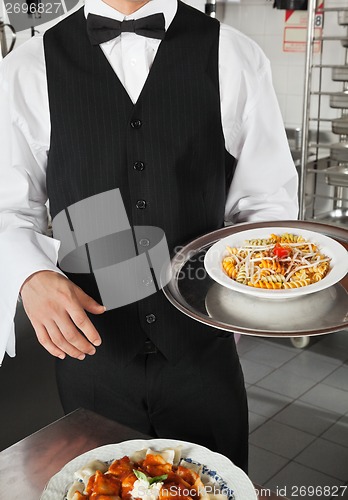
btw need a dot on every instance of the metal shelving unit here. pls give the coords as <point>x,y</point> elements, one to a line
<point>323,159</point>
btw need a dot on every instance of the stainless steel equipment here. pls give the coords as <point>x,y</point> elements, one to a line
<point>343,18</point>
<point>339,100</point>
<point>340,125</point>
<point>339,152</point>
<point>4,48</point>
<point>340,73</point>
<point>330,161</point>
<point>337,176</point>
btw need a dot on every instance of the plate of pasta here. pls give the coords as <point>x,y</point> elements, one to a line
<point>155,469</point>
<point>277,262</point>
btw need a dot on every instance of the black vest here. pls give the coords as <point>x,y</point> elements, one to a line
<point>98,135</point>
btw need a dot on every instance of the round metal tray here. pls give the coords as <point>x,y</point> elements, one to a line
<point>340,73</point>
<point>343,18</point>
<point>339,100</point>
<point>339,151</point>
<point>195,294</point>
<point>340,125</point>
<point>337,176</point>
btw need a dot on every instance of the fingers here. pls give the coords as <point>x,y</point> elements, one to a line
<point>63,339</point>
<point>68,338</point>
<point>83,323</point>
<point>57,309</point>
<point>46,341</point>
<point>88,303</point>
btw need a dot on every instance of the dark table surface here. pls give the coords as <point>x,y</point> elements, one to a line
<point>28,465</point>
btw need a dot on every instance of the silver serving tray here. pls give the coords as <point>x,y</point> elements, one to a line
<point>195,294</point>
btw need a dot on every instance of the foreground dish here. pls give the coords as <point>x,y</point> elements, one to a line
<point>227,477</point>
<point>332,256</point>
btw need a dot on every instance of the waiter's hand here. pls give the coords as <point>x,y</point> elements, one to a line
<point>56,308</point>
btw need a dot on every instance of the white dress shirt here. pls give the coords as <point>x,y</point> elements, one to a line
<point>264,186</point>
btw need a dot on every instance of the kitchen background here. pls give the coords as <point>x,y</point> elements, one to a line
<point>298,398</point>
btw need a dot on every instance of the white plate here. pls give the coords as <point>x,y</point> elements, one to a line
<point>328,246</point>
<point>220,468</point>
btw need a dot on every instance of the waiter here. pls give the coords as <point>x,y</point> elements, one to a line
<point>182,119</point>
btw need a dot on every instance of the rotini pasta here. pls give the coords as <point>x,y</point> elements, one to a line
<point>278,262</point>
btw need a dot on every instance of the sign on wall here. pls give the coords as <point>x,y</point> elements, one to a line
<point>295,30</point>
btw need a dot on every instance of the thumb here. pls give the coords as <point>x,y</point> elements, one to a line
<point>88,303</point>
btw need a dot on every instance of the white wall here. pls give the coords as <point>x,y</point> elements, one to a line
<point>265,25</point>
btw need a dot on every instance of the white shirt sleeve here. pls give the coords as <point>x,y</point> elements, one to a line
<point>265,183</point>
<point>24,134</point>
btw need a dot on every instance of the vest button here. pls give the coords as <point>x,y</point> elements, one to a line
<point>144,242</point>
<point>139,166</point>
<point>136,124</point>
<point>141,204</point>
<point>150,318</point>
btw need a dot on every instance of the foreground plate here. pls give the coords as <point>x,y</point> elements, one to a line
<point>328,246</point>
<point>218,467</point>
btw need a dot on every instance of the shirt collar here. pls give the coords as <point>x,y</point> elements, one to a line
<point>167,7</point>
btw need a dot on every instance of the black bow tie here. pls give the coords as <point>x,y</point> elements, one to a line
<point>102,29</point>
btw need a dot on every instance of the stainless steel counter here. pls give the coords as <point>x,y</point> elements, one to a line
<point>27,466</point>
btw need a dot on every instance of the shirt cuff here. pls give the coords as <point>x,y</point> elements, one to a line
<point>23,252</point>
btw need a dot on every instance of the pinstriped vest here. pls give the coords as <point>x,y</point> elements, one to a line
<point>95,148</point>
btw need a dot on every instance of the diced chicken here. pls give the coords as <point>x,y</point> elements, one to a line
<point>103,484</point>
<point>121,467</point>
<point>128,484</point>
<point>155,465</point>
